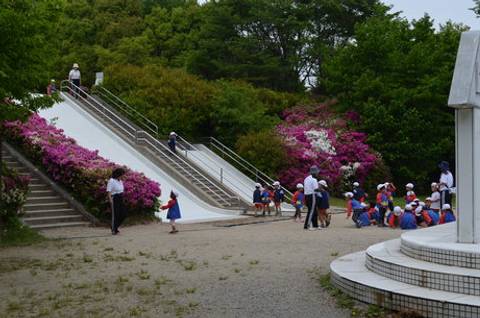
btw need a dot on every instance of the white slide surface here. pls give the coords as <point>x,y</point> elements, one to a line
<point>231,177</point>
<point>92,134</point>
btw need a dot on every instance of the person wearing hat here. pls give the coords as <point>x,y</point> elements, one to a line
<point>382,203</point>
<point>364,217</point>
<point>52,87</point>
<point>434,216</point>
<point>115,190</point>
<point>422,217</point>
<point>435,198</point>
<point>173,213</point>
<point>355,206</point>
<point>310,187</point>
<point>445,183</point>
<point>410,196</point>
<point>267,196</point>
<point>298,201</point>
<point>393,219</point>
<point>407,219</point>
<point>278,197</point>
<point>323,204</point>
<point>74,76</point>
<point>172,142</point>
<point>391,189</point>
<point>447,214</point>
<point>358,193</point>
<point>257,198</point>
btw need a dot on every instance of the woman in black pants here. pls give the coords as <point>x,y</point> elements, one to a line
<point>115,197</point>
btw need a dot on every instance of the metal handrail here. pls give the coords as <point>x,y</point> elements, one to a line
<point>77,91</point>
<point>124,107</point>
<point>244,163</point>
<point>221,173</point>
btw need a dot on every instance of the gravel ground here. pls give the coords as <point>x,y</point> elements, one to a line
<point>206,270</point>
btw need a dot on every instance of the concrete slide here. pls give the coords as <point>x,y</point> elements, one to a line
<point>92,134</point>
<point>233,178</point>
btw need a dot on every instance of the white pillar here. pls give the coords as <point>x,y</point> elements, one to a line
<point>465,98</point>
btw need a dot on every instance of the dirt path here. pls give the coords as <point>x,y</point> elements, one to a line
<point>206,270</point>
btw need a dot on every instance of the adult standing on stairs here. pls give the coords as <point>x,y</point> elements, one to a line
<point>115,197</point>
<point>310,186</point>
<point>75,78</point>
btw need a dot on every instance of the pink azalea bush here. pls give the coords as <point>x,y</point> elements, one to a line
<point>81,171</point>
<point>13,193</point>
<point>314,135</point>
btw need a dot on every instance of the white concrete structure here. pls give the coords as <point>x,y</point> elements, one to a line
<point>434,272</point>
<point>465,98</point>
<point>92,134</point>
<point>226,173</point>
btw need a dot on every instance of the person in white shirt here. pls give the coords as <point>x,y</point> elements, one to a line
<point>75,77</point>
<point>115,197</point>
<point>435,198</point>
<point>310,186</point>
<point>446,182</point>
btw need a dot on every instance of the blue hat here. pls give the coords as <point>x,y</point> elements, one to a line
<point>443,165</point>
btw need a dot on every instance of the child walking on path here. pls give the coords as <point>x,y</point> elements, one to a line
<point>298,201</point>
<point>278,197</point>
<point>173,213</point>
<point>257,198</point>
<point>323,204</point>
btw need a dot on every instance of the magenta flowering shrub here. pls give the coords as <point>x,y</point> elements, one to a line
<point>81,171</point>
<point>13,193</point>
<point>313,135</point>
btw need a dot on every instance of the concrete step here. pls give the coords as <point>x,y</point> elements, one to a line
<point>53,219</point>
<point>35,180</point>
<point>349,274</point>
<point>43,199</point>
<point>38,187</point>
<point>45,206</point>
<point>387,260</point>
<point>57,225</point>
<point>42,192</point>
<point>53,212</point>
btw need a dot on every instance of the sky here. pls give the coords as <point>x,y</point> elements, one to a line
<point>440,10</point>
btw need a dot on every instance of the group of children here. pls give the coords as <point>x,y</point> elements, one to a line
<point>383,213</point>
<point>264,198</point>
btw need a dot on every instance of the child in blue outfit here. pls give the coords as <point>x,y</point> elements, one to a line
<point>257,198</point>
<point>408,220</point>
<point>173,211</point>
<point>267,199</point>
<point>298,201</point>
<point>447,214</point>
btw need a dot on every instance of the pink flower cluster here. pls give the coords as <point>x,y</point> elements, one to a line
<point>314,135</point>
<point>83,172</point>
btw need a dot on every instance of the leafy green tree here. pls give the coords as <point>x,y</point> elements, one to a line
<point>274,44</point>
<point>397,75</point>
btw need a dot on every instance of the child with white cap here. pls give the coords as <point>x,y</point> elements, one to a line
<point>278,197</point>
<point>173,213</point>
<point>323,204</point>
<point>447,214</point>
<point>422,217</point>
<point>298,201</point>
<point>394,217</point>
<point>432,214</point>
<point>358,193</point>
<point>410,196</point>
<point>382,203</point>
<point>172,141</point>
<point>435,198</point>
<point>257,198</point>
<point>407,219</point>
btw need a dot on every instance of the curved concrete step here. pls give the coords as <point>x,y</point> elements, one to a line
<point>44,206</point>
<point>350,274</point>
<point>52,219</point>
<point>438,244</point>
<point>53,212</point>
<point>387,260</point>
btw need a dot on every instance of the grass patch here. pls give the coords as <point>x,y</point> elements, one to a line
<point>143,275</point>
<point>18,234</point>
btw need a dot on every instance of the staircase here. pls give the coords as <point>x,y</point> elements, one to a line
<point>144,138</point>
<point>45,208</point>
